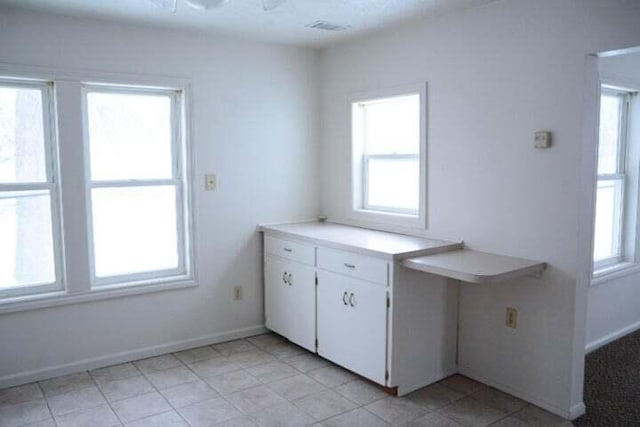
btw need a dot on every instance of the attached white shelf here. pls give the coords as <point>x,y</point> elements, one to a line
<point>474,266</point>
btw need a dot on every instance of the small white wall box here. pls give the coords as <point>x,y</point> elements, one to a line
<point>542,139</point>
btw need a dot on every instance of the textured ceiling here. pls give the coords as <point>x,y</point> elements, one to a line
<point>247,19</point>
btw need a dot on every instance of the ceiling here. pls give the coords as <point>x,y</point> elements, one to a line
<point>246,18</point>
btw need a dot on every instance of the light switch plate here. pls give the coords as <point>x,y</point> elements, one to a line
<point>210,182</point>
<point>542,139</point>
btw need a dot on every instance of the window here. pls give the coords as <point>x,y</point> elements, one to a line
<point>101,191</point>
<point>614,239</point>
<point>29,221</point>
<point>389,170</point>
<point>136,183</point>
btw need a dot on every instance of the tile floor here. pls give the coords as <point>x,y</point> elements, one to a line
<point>260,381</point>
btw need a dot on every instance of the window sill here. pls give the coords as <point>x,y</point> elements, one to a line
<point>608,274</point>
<point>53,299</point>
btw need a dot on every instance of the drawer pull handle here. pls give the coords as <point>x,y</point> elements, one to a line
<point>344,298</point>
<point>284,277</point>
<point>289,280</point>
<point>352,300</point>
<point>287,249</point>
<point>349,265</point>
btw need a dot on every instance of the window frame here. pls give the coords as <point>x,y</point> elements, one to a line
<point>360,211</point>
<point>179,181</point>
<point>622,257</point>
<point>51,185</point>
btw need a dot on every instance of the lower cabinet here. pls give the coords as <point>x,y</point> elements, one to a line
<point>290,300</point>
<point>352,324</point>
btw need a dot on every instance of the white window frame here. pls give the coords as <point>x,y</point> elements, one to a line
<point>624,234</point>
<point>360,211</point>
<point>178,180</point>
<point>50,185</point>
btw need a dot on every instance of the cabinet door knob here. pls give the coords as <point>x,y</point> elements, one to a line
<point>352,300</point>
<point>344,298</point>
<point>284,278</point>
<point>289,279</point>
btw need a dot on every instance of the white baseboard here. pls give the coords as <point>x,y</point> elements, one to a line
<point>594,345</point>
<point>577,411</point>
<point>127,356</point>
<point>564,413</point>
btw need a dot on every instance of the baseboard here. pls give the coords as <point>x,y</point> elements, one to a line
<point>577,411</point>
<point>128,356</point>
<point>564,413</point>
<point>594,345</point>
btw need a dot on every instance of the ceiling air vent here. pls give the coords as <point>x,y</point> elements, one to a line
<point>327,26</point>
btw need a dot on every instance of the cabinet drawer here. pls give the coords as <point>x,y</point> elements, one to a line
<point>290,250</point>
<point>353,265</point>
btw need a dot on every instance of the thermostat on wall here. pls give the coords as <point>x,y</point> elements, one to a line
<point>542,139</point>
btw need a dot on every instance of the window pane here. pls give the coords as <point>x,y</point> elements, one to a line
<point>21,135</point>
<point>608,145</point>
<point>129,136</point>
<point>394,184</point>
<point>134,230</point>
<point>392,125</point>
<point>26,243</point>
<point>606,238</point>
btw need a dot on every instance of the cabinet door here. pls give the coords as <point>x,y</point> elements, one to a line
<point>352,324</point>
<point>290,300</point>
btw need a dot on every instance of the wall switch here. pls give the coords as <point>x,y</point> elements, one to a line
<point>210,182</point>
<point>542,139</point>
<point>237,293</point>
<point>512,318</point>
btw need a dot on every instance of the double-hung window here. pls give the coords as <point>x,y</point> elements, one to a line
<point>388,152</point>
<point>614,241</point>
<point>30,244</point>
<point>136,184</point>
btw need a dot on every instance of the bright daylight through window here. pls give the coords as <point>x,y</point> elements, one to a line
<point>29,244</point>
<point>614,237</point>
<point>388,154</point>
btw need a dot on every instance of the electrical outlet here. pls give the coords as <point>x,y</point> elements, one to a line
<point>512,318</point>
<point>237,293</point>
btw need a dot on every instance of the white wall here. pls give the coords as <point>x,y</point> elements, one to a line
<point>496,74</point>
<point>254,125</point>
<point>614,304</point>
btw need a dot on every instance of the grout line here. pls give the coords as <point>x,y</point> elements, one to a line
<point>46,401</point>
<point>95,383</point>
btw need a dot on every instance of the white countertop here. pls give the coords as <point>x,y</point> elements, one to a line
<point>474,266</point>
<point>369,242</point>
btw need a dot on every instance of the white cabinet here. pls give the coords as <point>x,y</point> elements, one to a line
<point>352,324</point>
<point>290,299</point>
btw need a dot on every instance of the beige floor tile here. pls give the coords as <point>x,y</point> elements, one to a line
<point>213,367</point>
<point>157,363</point>
<point>142,406</point>
<point>232,381</point>
<point>266,340</point>
<point>167,419</point>
<point>356,418</point>
<point>197,354</point>
<point>361,392</point>
<point>432,419</point>
<point>75,400</point>
<point>17,414</point>
<point>100,416</point>
<point>511,421</point>
<point>295,387</point>
<point>462,384</point>
<point>20,394</point>
<point>238,422</point>
<point>396,410</point>
<point>171,377</point>
<point>499,400</point>
<point>209,413</point>
<point>471,413</point>
<point>66,383</point>
<point>115,372</point>
<point>253,357</point>
<point>273,371</point>
<point>282,415</point>
<point>188,394</point>
<point>434,396</point>
<point>307,362</point>
<point>325,404</point>
<point>233,347</point>
<point>285,350</point>
<point>115,390</point>
<point>255,399</point>
<point>49,422</point>
<point>537,417</point>
<point>331,376</point>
